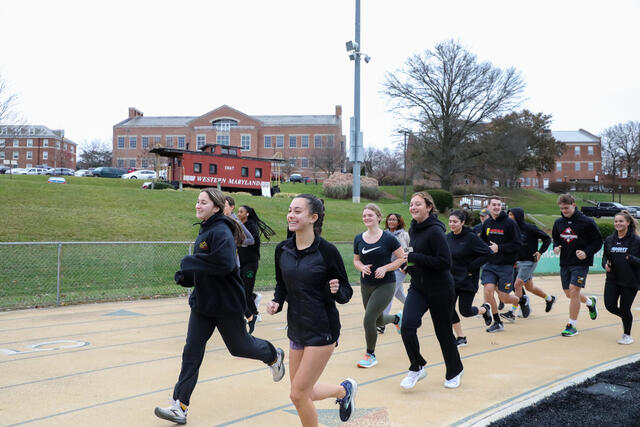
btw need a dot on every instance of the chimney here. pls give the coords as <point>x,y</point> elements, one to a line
<point>134,112</point>
<point>338,110</point>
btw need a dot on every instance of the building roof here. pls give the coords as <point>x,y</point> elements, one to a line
<point>312,120</point>
<point>574,136</point>
<point>39,131</point>
<point>137,122</point>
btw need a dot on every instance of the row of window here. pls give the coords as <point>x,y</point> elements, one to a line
<point>5,130</point>
<point>29,155</point>
<point>577,166</point>
<point>213,170</point>
<point>577,150</point>
<point>319,141</point>
<point>45,143</point>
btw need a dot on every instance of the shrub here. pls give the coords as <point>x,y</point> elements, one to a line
<point>559,187</point>
<point>459,190</point>
<point>285,195</point>
<point>161,185</point>
<point>606,229</point>
<point>442,198</point>
<point>339,186</point>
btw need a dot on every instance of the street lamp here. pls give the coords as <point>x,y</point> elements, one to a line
<point>404,180</point>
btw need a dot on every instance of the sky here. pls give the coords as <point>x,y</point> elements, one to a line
<point>79,65</point>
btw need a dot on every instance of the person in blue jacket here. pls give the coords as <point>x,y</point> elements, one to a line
<point>217,301</point>
<point>311,278</point>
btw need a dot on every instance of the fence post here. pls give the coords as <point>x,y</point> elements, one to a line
<point>58,275</point>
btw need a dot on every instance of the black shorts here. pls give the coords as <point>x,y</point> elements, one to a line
<point>501,275</point>
<point>573,275</point>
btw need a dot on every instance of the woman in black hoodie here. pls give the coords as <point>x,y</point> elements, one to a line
<point>468,254</point>
<point>621,260</point>
<point>217,300</point>
<point>429,264</point>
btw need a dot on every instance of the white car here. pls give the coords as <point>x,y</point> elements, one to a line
<point>17,171</point>
<point>83,172</point>
<point>141,174</point>
<point>36,171</point>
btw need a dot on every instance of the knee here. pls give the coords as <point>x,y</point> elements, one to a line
<point>298,397</point>
<point>611,306</point>
<point>468,311</point>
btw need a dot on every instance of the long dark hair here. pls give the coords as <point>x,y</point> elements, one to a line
<point>252,216</point>
<point>462,215</point>
<point>316,206</point>
<point>217,198</point>
<point>633,225</point>
<point>401,224</point>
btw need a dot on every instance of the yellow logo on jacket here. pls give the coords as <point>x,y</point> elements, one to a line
<point>203,245</point>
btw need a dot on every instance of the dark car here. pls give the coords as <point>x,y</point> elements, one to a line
<point>60,171</point>
<point>4,169</point>
<point>109,172</point>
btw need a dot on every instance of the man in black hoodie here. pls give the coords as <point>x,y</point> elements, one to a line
<point>503,237</point>
<point>528,257</point>
<point>576,238</point>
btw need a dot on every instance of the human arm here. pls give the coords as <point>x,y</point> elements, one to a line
<point>280,294</point>
<point>218,260</point>
<point>481,253</point>
<point>393,265</point>
<point>439,256</point>
<point>339,288</point>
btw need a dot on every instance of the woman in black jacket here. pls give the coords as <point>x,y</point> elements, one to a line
<point>431,288</point>
<point>621,260</point>
<point>468,254</point>
<point>217,300</point>
<point>311,278</point>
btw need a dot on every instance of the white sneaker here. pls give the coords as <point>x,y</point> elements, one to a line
<point>257,299</point>
<point>625,340</point>
<point>277,369</point>
<point>258,318</point>
<point>412,378</point>
<point>454,382</point>
<point>173,413</point>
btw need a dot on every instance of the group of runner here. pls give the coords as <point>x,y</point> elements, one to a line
<point>502,253</point>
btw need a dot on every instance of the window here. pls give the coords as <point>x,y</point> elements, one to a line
<point>201,140</point>
<point>181,143</point>
<point>558,167</point>
<point>16,143</point>
<point>267,141</point>
<point>45,155</point>
<point>15,155</point>
<point>258,172</point>
<point>222,139</point>
<point>577,150</point>
<point>590,166</point>
<point>120,142</point>
<point>132,163</point>
<point>71,148</point>
<point>293,163</point>
<point>1,142</point>
<point>245,142</point>
<point>244,171</point>
<point>293,141</point>
<point>577,166</point>
<point>29,142</point>
<point>145,163</point>
<point>32,131</point>
<point>279,141</point>
<point>45,143</point>
<point>29,155</point>
<point>197,167</point>
<point>304,141</point>
<point>1,155</point>
<point>145,142</point>
<point>169,141</point>
<point>213,169</point>
<point>156,141</point>
<point>65,146</point>
<point>133,142</point>
<point>57,144</point>
<point>224,124</point>
<point>590,150</point>
<point>317,141</point>
<point>120,163</point>
<point>329,140</point>
<point>304,162</point>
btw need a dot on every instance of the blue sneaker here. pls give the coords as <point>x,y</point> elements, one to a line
<point>368,361</point>
<point>348,402</point>
<point>399,324</point>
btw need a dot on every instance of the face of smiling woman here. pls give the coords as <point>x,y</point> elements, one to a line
<point>299,217</point>
<point>205,207</point>
<point>419,209</point>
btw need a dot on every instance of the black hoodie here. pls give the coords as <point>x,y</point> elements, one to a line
<point>623,256</point>
<point>530,234</point>
<point>430,260</point>
<point>504,232</point>
<point>468,254</point>
<point>579,232</point>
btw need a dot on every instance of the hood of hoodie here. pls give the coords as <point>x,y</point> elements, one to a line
<point>215,218</point>
<point>431,221</point>
<point>518,214</point>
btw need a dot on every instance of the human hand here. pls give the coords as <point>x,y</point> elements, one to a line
<point>536,256</point>
<point>366,269</point>
<point>494,247</point>
<point>607,266</point>
<point>334,284</point>
<point>272,307</point>
<point>557,250</point>
<point>380,272</point>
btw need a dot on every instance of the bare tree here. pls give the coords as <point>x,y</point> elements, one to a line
<point>384,165</point>
<point>329,159</point>
<point>94,154</point>
<point>8,113</point>
<point>625,137</point>
<point>448,93</point>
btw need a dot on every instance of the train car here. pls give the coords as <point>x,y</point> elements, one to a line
<point>220,166</point>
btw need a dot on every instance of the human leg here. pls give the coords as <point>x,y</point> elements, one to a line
<point>440,304</point>
<point>399,293</point>
<point>414,308</point>
<point>377,299</point>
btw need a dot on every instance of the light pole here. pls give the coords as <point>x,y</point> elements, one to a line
<point>404,180</point>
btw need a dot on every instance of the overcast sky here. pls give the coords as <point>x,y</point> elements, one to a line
<point>78,65</point>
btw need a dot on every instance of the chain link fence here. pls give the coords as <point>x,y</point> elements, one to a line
<point>38,274</point>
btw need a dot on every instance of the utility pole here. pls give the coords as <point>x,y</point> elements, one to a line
<point>356,111</point>
<point>404,180</point>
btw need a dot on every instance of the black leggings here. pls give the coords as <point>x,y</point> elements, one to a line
<point>248,273</point>
<point>465,301</point>
<point>441,306</point>
<point>235,336</point>
<point>612,293</point>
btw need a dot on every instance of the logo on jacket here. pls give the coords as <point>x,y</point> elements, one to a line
<point>568,235</point>
<point>619,249</point>
<point>366,251</point>
<point>203,245</point>
<point>495,231</point>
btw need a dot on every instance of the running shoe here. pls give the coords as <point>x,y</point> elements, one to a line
<point>277,369</point>
<point>454,382</point>
<point>380,329</point>
<point>570,331</point>
<point>173,413</point>
<point>549,303</point>
<point>257,299</point>
<point>368,361</point>
<point>496,327</point>
<point>524,306</point>
<point>461,341</point>
<point>348,402</point>
<point>487,314</point>
<point>398,324</point>
<point>500,305</point>
<point>412,378</point>
<point>625,340</point>
<point>509,316</point>
<point>593,310</point>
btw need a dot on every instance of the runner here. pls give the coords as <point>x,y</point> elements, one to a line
<point>468,254</point>
<point>528,257</point>
<point>483,215</point>
<point>311,278</point>
<point>503,237</point>
<point>431,289</point>
<point>372,252</point>
<point>217,300</point>
<point>621,260</point>
<point>395,224</point>
<point>576,239</point>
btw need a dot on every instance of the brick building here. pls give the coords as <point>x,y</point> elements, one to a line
<point>32,145</point>
<point>580,162</point>
<point>308,144</point>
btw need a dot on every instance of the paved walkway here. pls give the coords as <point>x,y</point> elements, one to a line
<point>111,364</point>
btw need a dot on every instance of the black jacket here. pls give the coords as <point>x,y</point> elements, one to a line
<point>504,232</point>
<point>530,235</point>
<point>468,254</point>
<point>430,261</point>
<point>576,233</point>
<point>250,253</point>
<point>212,270</point>
<point>623,256</point>
<point>302,279</point>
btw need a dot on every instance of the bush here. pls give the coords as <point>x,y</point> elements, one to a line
<point>460,190</point>
<point>162,185</point>
<point>442,198</point>
<point>606,229</point>
<point>559,187</point>
<point>339,186</point>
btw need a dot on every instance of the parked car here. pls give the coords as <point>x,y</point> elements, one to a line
<point>108,172</point>
<point>602,209</point>
<point>60,171</point>
<point>142,174</point>
<point>634,211</point>
<point>295,177</point>
<point>83,172</point>
<point>17,171</point>
<point>4,169</point>
<point>476,202</point>
<point>36,171</point>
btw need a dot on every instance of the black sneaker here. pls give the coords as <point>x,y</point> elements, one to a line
<point>500,305</point>
<point>348,402</point>
<point>496,327</point>
<point>380,329</point>
<point>509,316</point>
<point>550,304</point>
<point>524,306</point>
<point>461,341</point>
<point>487,314</point>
